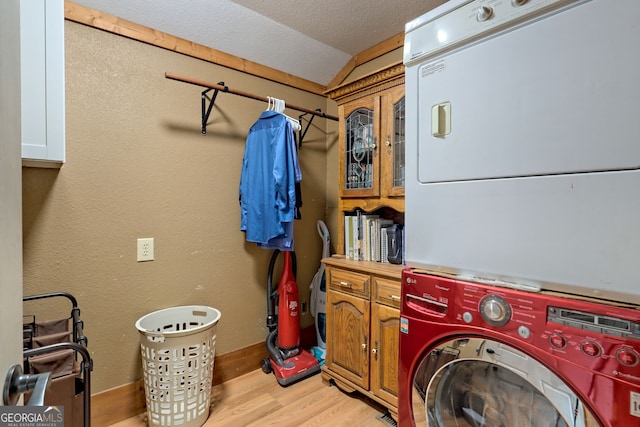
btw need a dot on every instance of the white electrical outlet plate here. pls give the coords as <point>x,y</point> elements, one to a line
<point>145,249</point>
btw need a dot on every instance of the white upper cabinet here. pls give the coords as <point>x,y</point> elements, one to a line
<point>42,82</point>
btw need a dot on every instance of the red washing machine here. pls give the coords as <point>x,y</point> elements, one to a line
<point>477,355</point>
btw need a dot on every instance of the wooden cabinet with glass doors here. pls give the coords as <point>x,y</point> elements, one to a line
<point>371,135</point>
<point>363,297</point>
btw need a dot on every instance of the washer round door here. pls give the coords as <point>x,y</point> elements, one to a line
<point>474,382</point>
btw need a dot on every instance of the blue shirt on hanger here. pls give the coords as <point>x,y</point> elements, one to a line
<point>270,170</point>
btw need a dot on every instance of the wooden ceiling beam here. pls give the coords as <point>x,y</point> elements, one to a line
<point>93,18</point>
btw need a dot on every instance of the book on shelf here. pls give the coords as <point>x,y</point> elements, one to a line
<point>351,239</point>
<point>355,246</point>
<point>382,240</point>
<point>384,247</point>
<point>365,236</point>
<point>348,237</point>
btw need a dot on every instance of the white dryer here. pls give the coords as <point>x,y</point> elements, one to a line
<point>523,144</point>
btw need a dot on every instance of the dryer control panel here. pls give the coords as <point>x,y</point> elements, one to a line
<point>435,31</point>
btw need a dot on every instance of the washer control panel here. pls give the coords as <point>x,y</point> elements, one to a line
<point>597,336</point>
<point>594,322</point>
<point>591,325</point>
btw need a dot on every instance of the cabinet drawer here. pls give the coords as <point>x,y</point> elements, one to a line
<point>387,292</point>
<point>350,282</point>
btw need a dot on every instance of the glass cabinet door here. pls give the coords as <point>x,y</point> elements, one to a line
<point>360,172</point>
<point>398,143</point>
<point>360,142</point>
<point>393,159</point>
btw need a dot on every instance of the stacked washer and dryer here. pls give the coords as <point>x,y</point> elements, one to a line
<point>520,303</point>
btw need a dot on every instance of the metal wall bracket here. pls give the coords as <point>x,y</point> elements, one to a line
<point>302,133</point>
<point>206,111</point>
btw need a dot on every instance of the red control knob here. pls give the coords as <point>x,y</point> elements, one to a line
<point>627,357</point>
<point>590,348</point>
<point>558,341</point>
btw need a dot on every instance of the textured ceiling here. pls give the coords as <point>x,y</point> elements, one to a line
<point>307,38</point>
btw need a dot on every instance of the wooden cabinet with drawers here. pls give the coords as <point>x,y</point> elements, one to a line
<point>363,297</point>
<point>363,315</point>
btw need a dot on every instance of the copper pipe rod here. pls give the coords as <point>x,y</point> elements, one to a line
<point>227,89</point>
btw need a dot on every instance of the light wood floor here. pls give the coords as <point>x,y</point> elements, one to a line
<point>256,399</point>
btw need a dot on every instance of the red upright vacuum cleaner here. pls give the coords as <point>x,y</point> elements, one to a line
<point>286,360</point>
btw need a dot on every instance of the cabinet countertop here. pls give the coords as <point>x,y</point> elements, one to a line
<point>393,271</point>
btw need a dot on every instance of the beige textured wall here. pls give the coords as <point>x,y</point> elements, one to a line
<point>333,174</point>
<point>138,166</point>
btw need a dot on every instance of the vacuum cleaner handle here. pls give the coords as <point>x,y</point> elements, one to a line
<point>323,231</point>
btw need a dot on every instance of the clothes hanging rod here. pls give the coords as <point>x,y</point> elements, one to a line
<point>227,89</point>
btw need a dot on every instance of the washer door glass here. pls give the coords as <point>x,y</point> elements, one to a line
<point>474,382</point>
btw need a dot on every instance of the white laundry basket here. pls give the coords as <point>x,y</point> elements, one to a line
<point>178,349</point>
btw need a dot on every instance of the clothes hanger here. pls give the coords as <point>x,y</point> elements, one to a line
<point>295,124</point>
<point>280,106</point>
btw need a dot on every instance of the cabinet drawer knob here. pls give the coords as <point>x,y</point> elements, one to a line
<point>346,284</point>
<point>394,297</point>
